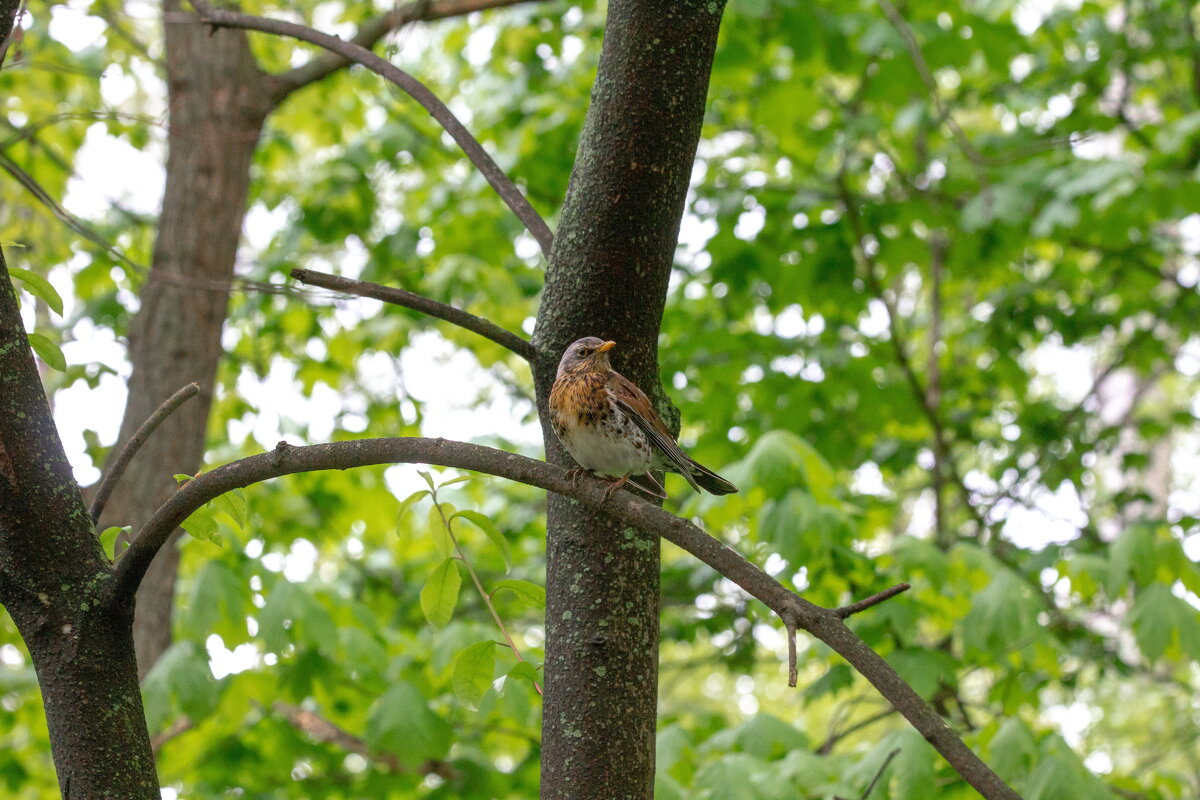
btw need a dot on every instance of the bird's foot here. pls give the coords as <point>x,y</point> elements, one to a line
<point>574,474</point>
<point>617,484</point>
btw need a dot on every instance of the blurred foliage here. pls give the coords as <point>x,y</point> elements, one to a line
<point>934,311</point>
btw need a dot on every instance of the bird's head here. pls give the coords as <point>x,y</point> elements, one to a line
<point>588,354</point>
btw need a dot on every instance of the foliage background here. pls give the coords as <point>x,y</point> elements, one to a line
<point>993,398</point>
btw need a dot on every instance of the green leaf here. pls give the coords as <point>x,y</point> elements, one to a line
<point>768,737</point>
<point>218,598</point>
<point>39,287</point>
<point>1003,616</point>
<point>428,479</point>
<point>182,478</point>
<point>201,525</point>
<point>730,778</point>
<point>108,539</point>
<point>402,723</point>
<point>408,503</point>
<point>48,352</point>
<point>488,527</point>
<point>234,504</point>
<point>472,673</point>
<point>440,595</point>
<point>1012,750</point>
<point>459,479</point>
<point>1164,624</point>
<point>525,670</point>
<point>529,592</point>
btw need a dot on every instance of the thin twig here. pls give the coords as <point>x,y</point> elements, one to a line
<point>873,600</point>
<point>836,736</point>
<point>882,768</point>
<point>180,726</point>
<point>487,599</point>
<point>823,623</point>
<point>793,670</point>
<point>113,473</point>
<point>371,31</point>
<point>495,176</point>
<point>400,297</point>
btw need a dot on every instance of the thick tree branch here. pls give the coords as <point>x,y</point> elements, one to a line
<point>114,472</point>
<point>370,32</point>
<point>823,623</point>
<point>400,297</point>
<point>495,176</point>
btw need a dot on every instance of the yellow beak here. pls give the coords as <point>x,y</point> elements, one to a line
<point>604,348</point>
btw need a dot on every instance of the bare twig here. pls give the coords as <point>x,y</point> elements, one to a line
<point>495,176</point>
<point>873,600</point>
<point>113,473</point>
<point>400,297</point>
<point>836,736</point>
<point>824,623</point>
<point>180,726</point>
<point>487,598</point>
<point>793,670</point>
<point>70,220</point>
<point>371,31</point>
<point>882,769</point>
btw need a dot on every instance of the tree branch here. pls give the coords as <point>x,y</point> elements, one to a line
<point>370,32</point>
<point>873,600</point>
<point>474,151</point>
<point>400,297</point>
<point>825,624</point>
<point>114,471</point>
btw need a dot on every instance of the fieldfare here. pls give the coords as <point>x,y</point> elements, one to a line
<point>610,428</point>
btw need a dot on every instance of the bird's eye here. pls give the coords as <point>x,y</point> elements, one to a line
<point>583,351</point>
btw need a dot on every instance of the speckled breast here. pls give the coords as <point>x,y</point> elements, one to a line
<point>597,434</point>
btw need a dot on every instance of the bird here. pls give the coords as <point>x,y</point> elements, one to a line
<point>610,427</point>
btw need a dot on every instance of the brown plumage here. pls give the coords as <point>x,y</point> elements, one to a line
<point>609,426</point>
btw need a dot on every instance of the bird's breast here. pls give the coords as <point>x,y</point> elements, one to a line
<point>597,434</point>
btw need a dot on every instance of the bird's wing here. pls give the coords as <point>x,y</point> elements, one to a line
<point>633,401</point>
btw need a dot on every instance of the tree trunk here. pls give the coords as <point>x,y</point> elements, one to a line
<point>608,277</point>
<point>218,103</point>
<point>51,573</point>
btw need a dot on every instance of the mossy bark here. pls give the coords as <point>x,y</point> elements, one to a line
<point>52,573</point>
<point>608,277</point>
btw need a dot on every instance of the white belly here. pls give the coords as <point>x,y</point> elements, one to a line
<point>616,447</point>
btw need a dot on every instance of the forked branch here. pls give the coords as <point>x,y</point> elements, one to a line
<point>418,91</point>
<point>826,624</point>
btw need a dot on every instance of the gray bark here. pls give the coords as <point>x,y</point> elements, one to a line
<point>608,277</point>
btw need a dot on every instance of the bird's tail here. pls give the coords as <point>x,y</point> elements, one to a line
<point>708,480</point>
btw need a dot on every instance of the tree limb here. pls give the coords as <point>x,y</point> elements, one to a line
<point>399,297</point>
<point>370,32</point>
<point>474,151</point>
<point>825,624</point>
<point>114,472</point>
